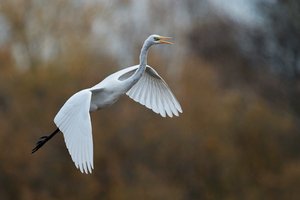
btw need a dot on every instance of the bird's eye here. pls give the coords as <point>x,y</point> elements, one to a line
<point>156,38</point>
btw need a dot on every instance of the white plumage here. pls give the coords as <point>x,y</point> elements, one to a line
<point>154,93</point>
<point>140,82</point>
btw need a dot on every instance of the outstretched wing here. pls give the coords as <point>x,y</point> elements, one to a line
<point>74,121</point>
<point>153,92</point>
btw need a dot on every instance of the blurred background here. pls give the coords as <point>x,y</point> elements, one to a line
<point>234,68</point>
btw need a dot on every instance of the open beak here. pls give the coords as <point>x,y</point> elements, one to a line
<point>164,40</point>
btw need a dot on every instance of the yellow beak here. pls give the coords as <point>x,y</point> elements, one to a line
<point>163,40</point>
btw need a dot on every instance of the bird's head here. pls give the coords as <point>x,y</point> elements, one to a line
<point>157,39</point>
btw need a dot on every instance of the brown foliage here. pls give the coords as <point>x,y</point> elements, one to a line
<point>225,145</point>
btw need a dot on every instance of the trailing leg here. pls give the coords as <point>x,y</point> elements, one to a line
<point>42,140</point>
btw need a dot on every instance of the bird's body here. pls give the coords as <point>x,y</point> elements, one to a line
<point>140,82</point>
<point>109,90</point>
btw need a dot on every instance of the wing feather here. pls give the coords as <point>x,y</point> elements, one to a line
<point>152,98</point>
<point>171,104</point>
<point>146,91</point>
<point>154,105</point>
<point>143,92</point>
<point>153,92</point>
<point>162,111</point>
<point>148,99</point>
<point>74,121</point>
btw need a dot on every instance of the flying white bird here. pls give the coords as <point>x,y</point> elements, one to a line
<point>140,82</point>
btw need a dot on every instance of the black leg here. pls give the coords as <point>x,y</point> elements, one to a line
<point>43,140</point>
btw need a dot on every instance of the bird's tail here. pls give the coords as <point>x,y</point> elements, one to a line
<point>42,140</point>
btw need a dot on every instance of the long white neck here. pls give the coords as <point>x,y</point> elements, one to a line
<point>143,62</point>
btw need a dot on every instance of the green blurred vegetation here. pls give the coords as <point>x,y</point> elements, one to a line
<point>231,142</point>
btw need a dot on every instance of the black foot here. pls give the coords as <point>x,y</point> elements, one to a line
<point>43,140</point>
<point>40,143</point>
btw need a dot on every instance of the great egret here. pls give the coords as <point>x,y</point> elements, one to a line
<point>140,82</point>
